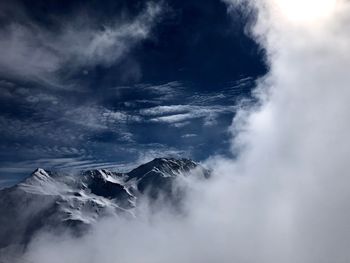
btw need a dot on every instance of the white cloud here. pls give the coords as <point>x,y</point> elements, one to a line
<point>175,118</point>
<point>119,117</point>
<point>88,46</point>
<point>161,110</point>
<point>189,135</point>
<point>174,114</point>
<point>32,52</point>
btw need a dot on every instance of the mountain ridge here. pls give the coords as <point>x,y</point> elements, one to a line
<point>47,199</point>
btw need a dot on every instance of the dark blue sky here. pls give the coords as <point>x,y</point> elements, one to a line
<point>105,83</point>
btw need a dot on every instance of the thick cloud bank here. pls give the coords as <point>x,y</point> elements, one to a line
<point>286,197</point>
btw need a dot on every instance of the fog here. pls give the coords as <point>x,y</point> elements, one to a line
<point>285,198</point>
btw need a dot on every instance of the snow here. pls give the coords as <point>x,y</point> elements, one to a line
<point>76,201</point>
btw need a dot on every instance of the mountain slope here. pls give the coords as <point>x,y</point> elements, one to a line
<point>54,200</point>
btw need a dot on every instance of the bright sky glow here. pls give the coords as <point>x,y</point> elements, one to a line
<point>305,11</point>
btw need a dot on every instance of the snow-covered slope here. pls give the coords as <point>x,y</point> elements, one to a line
<point>48,199</point>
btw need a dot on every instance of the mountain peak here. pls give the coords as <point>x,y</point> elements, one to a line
<point>41,173</point>
<point>166,167</point>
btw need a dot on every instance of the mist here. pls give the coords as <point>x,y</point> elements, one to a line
<point>285,198</point>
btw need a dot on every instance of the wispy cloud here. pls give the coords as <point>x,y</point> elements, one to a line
<point>174,114</point>
<point>189,135</point>
<point>30,51</point>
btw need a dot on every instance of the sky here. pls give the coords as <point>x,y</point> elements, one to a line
<point>86,84</point>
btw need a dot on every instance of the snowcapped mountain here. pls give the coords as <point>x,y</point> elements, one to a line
<point>49,199</point>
